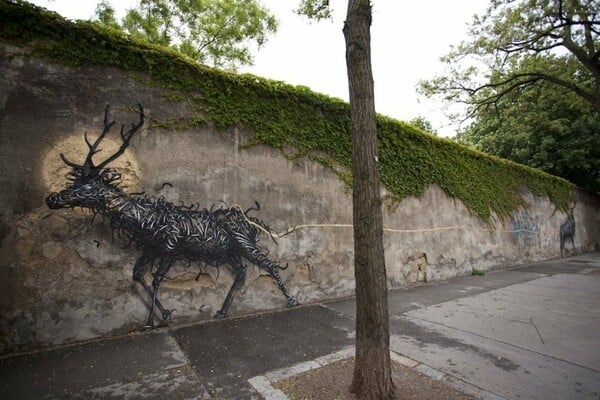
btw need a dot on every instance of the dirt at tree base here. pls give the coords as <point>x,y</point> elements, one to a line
<point>332,382</point>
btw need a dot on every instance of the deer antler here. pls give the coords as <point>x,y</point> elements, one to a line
<point>88,169</point>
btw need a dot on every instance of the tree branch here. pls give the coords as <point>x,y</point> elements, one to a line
<point>529,78</point>
<point>216,35</point>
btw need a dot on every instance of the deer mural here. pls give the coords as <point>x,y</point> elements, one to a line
<point>567,231</point>
<point>163,231</point>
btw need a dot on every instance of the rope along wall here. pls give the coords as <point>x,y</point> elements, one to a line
<point>443,228</point>
<point>417,230</point>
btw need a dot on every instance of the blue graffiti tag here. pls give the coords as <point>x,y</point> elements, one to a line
<point>525,227</point>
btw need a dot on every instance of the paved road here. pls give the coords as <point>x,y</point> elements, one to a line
<point>525,333</point>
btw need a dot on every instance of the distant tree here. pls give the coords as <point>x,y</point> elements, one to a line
<point>423,124</point>
<point>214,32</point>
<point>372,370</point>
<point>105,14</point>
<point>519,43</point>
<point>315,9</point>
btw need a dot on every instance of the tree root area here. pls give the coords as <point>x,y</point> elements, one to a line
<point>332,382</point>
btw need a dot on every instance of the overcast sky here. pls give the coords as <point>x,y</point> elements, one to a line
<point>408,38</point>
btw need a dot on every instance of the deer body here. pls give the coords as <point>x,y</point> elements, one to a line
<point>166,232</point>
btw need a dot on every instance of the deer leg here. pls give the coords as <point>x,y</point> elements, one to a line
<point>163,267</point>
<point>573,243</point>
<point>138,276</point>
<point>291,301</point>
<point>254,255</point>
<point>240,276</point>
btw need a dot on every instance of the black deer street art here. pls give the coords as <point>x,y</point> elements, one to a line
<point>163,231</point>
<point>567,231</point>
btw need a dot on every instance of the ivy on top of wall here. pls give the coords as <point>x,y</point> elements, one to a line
<point>288,117</point>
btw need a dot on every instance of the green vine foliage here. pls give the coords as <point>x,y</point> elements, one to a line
<point>287,117</point>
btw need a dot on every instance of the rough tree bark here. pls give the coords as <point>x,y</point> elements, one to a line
<point>372,371</point>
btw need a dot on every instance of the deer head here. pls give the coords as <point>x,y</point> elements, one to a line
<point>91,184</point>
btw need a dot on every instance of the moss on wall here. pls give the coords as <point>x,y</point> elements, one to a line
<point>287,117</point>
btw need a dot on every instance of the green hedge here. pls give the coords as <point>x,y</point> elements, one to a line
<point>288,117</point>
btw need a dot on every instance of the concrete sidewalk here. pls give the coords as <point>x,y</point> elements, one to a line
<point>525,333</point>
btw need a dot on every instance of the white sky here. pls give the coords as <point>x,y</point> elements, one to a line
<point>408,38</point>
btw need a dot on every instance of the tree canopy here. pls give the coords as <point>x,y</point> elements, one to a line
<point>519,43</point>
<point>213,32</point>
<point>530,77</point>
<point>544,127</point>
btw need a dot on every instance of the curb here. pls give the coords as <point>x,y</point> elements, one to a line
<point>263,384</point>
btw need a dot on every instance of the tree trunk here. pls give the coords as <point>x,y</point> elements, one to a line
<point>372,370</point>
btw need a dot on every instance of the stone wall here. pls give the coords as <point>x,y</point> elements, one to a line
<point>65,278</point>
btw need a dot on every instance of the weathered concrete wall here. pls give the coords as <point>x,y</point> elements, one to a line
<point>63,279</point>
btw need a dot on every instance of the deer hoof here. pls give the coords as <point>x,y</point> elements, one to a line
<point>147,327</point>
<point>166,314</point>
<point>220,315</point>
<point>292,302</point>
